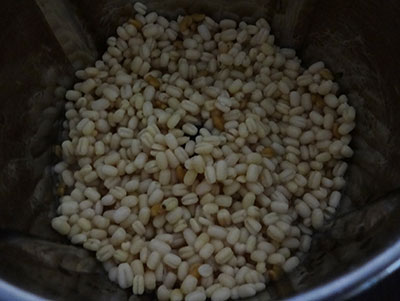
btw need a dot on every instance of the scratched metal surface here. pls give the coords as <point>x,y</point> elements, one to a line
<point>44,41</point>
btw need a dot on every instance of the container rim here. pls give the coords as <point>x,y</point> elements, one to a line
<point>340,288</point>
<point>354,282</point>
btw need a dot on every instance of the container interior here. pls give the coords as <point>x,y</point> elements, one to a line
<point>45,41</point>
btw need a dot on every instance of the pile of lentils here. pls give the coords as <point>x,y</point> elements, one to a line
<point>199,157</point>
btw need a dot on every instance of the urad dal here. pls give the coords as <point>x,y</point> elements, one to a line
<point>199,157</point>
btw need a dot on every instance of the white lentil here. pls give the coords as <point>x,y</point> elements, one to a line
<point>221,294</point>
<point>205,270</point>
<point>206,251</point>
<point>163,294</point>
<point>317,218</point>
<point>172,260</point>
<point>189,284</point>
<point>192,150</point>
<point>196,296</point>
<point>291,264</point>
<point>125,275</point>
<point>246,290</point>
<point>176,295</point>
<point>121,214</point>
<point>224,255</point>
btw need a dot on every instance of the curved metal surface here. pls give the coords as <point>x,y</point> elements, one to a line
<point>338,289</point>
<point>356,281</point>
<point>11,292</point>
<point>46,40</point>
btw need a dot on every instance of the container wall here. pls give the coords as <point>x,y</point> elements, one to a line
<point>45,41</point>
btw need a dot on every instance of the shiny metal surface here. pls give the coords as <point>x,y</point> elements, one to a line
<point>358,280</point>
<point>44,41</point>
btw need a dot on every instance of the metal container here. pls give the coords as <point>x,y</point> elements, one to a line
<point>44,41</point>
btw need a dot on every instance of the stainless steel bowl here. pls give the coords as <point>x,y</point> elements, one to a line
<point>44,41</point>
